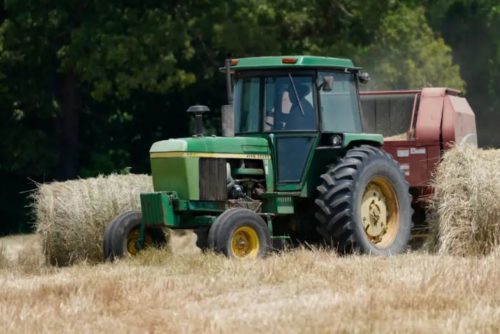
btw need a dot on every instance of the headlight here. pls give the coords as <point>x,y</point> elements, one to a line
<point>336,140</point>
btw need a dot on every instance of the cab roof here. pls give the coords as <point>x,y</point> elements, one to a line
<point>255,63</point>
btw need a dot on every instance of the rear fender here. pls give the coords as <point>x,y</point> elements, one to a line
<point>356,139</point>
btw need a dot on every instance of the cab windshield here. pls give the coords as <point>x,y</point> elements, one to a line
<point>274,103</point>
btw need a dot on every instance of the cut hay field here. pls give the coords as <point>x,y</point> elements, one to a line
<point>300,291</point>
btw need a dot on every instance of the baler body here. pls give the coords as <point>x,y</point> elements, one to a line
<point>418,127</point>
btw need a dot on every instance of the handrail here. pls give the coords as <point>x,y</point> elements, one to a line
<point>390,92</point>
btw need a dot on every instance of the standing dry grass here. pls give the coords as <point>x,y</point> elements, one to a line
<point>465,209</point>
<point>295,292</point>
<point>22,254</point>
<point>71,216</point>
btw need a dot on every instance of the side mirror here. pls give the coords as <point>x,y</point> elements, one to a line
<point>198,111</point>
<point>363,77</point>
<point>327,84</point>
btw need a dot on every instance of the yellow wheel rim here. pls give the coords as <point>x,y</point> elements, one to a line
<point>133,237</point>
<point>245,242</point>
<point>380,212</point>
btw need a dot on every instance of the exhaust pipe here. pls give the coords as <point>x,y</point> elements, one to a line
<point>227,116</point>
<point>227,113</point>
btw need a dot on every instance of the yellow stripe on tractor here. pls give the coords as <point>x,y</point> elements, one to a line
<point>156,155</point>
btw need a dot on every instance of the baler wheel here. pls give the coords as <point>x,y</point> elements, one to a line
<point>364,204</point>
<point>240,233</point>
<point>121,236</point>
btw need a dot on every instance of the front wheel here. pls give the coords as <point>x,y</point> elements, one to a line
<point>122,235</point>
<point>240,233</point>
<point>364,204</point>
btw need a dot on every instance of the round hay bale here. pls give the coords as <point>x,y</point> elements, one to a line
<point>464,213</point>
<point>71,216</point>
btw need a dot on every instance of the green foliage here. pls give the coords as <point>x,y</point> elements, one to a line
<point>125,48</point>
<point>407,54</point>
<point>494,84</point>
<point>249,28</point>
<point>470,27</point>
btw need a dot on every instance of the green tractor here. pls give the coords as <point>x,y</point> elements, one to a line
<point>293,167</point>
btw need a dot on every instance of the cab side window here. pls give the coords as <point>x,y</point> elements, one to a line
<point>339,104</point>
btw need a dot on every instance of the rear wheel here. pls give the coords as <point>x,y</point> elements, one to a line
<point>122,235</point>
<point>364,204</point>
<point>240,233</point>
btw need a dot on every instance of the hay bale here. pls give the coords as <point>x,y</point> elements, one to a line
<point>71,216</point>
<point>464,213</point>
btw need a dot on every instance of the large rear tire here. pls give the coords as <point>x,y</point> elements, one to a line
<point>240,233</point>
<point>364,204</point>
<point>121,236</point>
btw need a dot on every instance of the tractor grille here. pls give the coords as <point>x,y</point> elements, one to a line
<point>213,179</point>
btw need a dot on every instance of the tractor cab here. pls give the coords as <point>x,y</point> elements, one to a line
<point>297,103</point>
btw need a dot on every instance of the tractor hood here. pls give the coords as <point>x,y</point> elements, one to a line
<point>184,165</point>
<point>212,147</point>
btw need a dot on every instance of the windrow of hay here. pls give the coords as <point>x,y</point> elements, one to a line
<point>464,214</point>
<point>71,216</point>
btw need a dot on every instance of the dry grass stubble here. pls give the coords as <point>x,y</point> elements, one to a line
<point>22,254</point>
<point>299,291</point>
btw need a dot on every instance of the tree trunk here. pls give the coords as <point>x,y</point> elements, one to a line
<point>68,96</point>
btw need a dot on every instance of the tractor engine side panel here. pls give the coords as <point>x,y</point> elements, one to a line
<point>176,173</point>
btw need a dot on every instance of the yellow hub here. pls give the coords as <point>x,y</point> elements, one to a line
<point>132,239</point>
<point>380,212</point>
<point>245,242</point>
